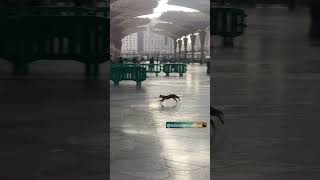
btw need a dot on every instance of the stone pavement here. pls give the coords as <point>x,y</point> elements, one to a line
<point>141,147</point>
<point>53,123</point>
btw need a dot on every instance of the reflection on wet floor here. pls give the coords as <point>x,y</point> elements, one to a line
<point>53,127</point>
<point>268,87</point>
<point>141,145</point>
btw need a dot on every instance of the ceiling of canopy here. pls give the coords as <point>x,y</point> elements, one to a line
<point>171,23</point>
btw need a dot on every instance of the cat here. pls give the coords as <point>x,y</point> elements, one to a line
<point>171,96</point>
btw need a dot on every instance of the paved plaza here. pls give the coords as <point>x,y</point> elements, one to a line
<point>142,148</point>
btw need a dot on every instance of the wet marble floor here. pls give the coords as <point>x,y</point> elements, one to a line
<point>142,148</point>
<point>53,123</point>
<point>268,87</point>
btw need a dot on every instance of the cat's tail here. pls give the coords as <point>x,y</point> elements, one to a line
<point>217,113</point>
<point>220,118</point>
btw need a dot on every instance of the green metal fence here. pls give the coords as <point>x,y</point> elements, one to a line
<point>69,33</point>
<point>174,68</point>
<point>150,68</point>
<point>135,73</point>
<point>227,22</point>
<point>138,72</point>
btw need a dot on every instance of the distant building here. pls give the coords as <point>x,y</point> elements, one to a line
<point>130,44</point>
<point>157,44</point>
<point>152,44</point>
<point>147,43</point>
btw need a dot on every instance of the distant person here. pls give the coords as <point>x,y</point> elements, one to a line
<point>135,60</point>
<point>120,60</point>
<point>152,60</point>
<point>142,60</point>
<point>151,66</point>
<point>164,59</point>
<point>157,60</point>
<point>110,57</point>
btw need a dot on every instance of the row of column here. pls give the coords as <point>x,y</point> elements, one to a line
<point>178,44</point>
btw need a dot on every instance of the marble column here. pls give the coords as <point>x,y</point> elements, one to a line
<point>180,44</point>
<point>116,51</point>
<point>185,42</point>
<point>202,35</point>
<point>175,43</point>
<point>193,41</point>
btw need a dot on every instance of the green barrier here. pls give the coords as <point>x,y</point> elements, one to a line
<point>227,22</point>
<point>150,68</point>
<point>135,73</point>
<point>53,33</point>
<point>125,65</point>
<point>174,68</point>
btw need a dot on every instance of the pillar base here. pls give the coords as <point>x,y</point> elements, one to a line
<point>228,41</point>
<point>20,69</point>
<point>92,69</point>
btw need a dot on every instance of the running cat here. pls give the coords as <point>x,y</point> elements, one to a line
<point>171,96</point>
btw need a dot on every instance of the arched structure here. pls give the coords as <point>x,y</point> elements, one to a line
<point>128,17</point>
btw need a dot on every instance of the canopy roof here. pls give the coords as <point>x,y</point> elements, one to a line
<point>174,22</point>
